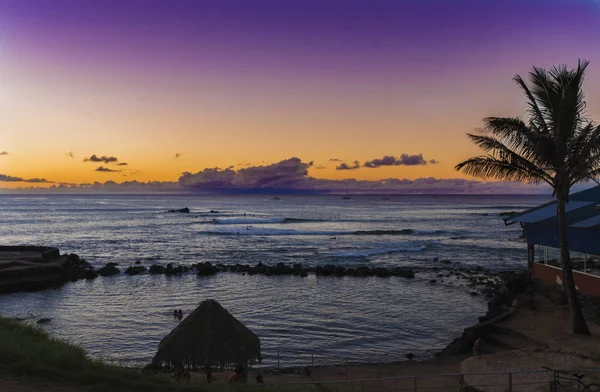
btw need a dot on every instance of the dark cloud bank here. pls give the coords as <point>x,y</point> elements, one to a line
<point>289,176</point>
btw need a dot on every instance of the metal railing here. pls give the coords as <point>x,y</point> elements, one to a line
<point>519,381</point>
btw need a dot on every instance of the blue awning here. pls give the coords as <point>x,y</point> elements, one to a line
<point>546,212</point>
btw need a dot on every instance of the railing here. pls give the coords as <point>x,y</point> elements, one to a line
<point>521,381</point>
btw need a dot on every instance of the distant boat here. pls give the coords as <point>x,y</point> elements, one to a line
<point>346,196</point>
<point>277,198</point>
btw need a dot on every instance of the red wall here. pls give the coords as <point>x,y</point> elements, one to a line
<point>586,283</point>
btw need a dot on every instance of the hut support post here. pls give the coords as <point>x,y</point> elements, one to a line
<point>510,382</point>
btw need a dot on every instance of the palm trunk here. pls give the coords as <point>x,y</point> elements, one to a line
<point>579,324</point>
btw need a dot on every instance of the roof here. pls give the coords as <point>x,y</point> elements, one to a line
<point>210,335</point>
<point>589,195</point>
<point>546,212</point>
<point>588,223</point>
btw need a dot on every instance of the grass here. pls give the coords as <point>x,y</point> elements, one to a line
<point>30,355</point>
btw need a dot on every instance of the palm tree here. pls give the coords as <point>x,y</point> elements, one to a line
<point>558,145</point>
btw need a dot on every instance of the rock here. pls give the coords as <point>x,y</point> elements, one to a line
<point>184,210</point>
<point>206,269</point>
<point>214,211</point>
<point>135,270</point>
<point>170,270</point>
<point>435,259</point>
<point>44,321</point>
<point>109,270</point>
<point>111,264</point>
<point>410,356</point>
<point>473,293</point>
<point>445,261</point>
<point>433,281</point>
<point>90,274</point>
<point>157,269</point>
<point>478,347</point>
<point>138,262</point>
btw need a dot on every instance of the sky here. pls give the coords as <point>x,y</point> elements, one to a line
<point>322,90</point>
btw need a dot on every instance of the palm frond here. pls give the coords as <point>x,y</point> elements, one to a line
<point>489,167</point>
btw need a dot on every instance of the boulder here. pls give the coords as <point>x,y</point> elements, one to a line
<point>184,210</point>
<point>44,321</point>
<point>90,274</point>
<point>138,269</point>
<point>108,270</point>
<point>170,270</point>
<point>206,269</point>
<point>137,262</point>
<point>157,269</point>
<point>111,264</point>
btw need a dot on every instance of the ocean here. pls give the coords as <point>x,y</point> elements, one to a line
<point>326,319</point>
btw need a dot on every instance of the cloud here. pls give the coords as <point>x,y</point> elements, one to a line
<point>433,162</point>
<point>345,166</point>
<point>177,155</point>
<point>3,153</point>
<point>70,154</point>
<point>319,167</point>
<point>287,174</point>
<point>103,158</point>
<point>106,170</point>
<point>231,167</point>
<point>7,178</point>
<point>405,159</point>
<point>335,160</point>
<point>122,164</point>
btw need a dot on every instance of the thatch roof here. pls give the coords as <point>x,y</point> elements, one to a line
<point>210,335</point>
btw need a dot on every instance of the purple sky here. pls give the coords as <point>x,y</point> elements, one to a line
<point>262,81</point>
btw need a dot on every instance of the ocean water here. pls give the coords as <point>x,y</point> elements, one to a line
<point>330,319</point>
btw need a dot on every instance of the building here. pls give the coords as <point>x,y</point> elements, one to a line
<point>540,231</point>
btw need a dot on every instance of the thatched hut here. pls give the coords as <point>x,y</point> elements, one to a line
<point>211,336</point>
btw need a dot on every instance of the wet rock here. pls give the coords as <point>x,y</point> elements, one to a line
<point>44,321</point>
<point>135,270</point>
<point>157,269</point>
<point>184,210</point>
<point>473,293</point>
<point>138,262</point>
<point>410,356</point>
<point>111,264</point>
<point>206,269</point>
<point>108,270</point>
<point>90,274</point>
<point>170,270</point>
<point>433,281</point>
<point>445,261</point>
